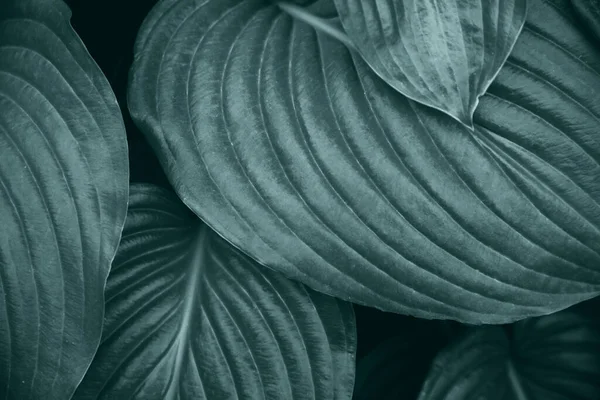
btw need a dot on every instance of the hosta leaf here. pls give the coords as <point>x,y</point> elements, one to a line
<point>555,357</point>
<point>293,150</point>
<point>63,199</point>
<point>190,317</point>
<point>319,8</point>
<point>319,17</point>
<point>441,53</point>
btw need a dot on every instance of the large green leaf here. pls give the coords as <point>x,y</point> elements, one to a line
<point>190,317</point>
<point>555,357</point>
<point>63,199</point>
<point>292,149</point>
<point>441,53</point>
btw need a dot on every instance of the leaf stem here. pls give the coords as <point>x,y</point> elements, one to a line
<point>318,23</point>
<point>194,277</point>
<point>515,382</point>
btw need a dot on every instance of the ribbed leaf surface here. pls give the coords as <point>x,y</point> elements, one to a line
<point>555,357</point>
<point>63,199</point>
<point>441,53</point>
<point>293,150</point>
<point>190,317</point>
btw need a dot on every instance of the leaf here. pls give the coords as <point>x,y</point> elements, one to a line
<point>323,8</point>
<point>548,358</point>
<point>63,199</point>
<point>326,24</point>
<point>295,152</point>
<point>190,317</point>
<point>444,54</point>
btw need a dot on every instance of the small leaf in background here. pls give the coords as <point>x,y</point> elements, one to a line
<point>441,53</point>
<point>63,200</point>
<point>292,149</point>
<point>555,357</point>
<point>189,317</point>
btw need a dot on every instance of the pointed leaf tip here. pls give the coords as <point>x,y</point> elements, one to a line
<point>443,54</point>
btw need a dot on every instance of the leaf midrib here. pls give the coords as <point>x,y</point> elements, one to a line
<point>515,382</point>
<point>194,272</point>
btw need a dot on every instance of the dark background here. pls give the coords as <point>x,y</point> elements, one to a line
<point>108,29</point>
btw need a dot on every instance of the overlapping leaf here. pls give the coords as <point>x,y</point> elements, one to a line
<point>556,357</point>
<point>292,149</point>
<point>441,53</point>
<point>190,317</point>
<point>63,198</point>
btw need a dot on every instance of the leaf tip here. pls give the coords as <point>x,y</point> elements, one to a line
<point>464,117</point>
<point>468,123</point>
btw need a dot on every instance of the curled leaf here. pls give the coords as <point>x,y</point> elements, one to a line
<point>441,53</point>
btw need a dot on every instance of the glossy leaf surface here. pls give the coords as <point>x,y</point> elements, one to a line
<point>63,199</point>
<point>441,53</point>
<point>555,357</point>
<point>190,317</point>
<point>292,149</point>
